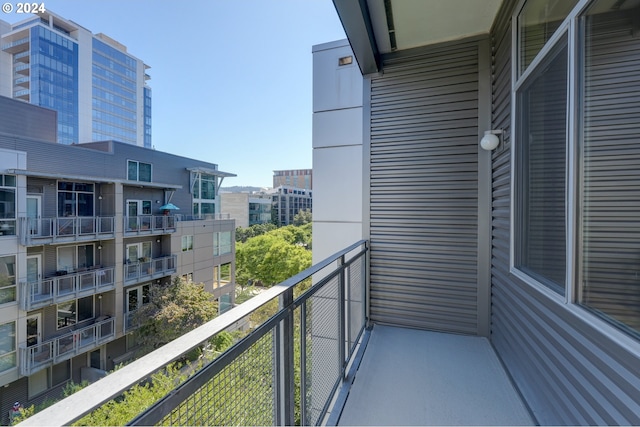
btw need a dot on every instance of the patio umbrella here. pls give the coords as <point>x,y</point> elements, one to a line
<point>169,207</point>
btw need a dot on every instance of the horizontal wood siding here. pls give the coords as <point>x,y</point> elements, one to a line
<point>424,203</point>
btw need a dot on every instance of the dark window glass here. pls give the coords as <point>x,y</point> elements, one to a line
<point>541,171</point>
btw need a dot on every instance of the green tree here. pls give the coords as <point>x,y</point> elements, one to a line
<point>302,217</point>
<point>243,234</point>
<point>172,311</point>
<point>270,258</point>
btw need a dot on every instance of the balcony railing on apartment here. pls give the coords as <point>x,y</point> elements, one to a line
<point>218,216</point>
<point>149,269</point>
<point>149,224</point>
<point>38,231</point>
<point>66,287</point>
<point>313,337</point>
<point>40,356</point>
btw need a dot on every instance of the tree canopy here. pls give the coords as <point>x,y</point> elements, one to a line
<point>172,311</point>
<point>273,257</point>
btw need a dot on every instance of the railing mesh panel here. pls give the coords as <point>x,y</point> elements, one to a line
<point>322,350</point>
<point>241,394</point>
<point>356,300</point>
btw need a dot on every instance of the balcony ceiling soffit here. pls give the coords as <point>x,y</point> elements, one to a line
<point>396,25</point>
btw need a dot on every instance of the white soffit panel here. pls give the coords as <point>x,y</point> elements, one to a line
<point>424,22</point>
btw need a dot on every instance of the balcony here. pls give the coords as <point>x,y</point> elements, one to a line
<point>149,224</point>
<point>16,46</point>
<point>58,289</point>
<point>41,231</point>
<point>64,347</point>
<point>318,350</point>
<point>149,269</point>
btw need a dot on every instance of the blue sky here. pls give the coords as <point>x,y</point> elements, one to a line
<point>231,79</point>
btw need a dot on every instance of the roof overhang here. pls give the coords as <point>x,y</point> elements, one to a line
<point>211,172</point>
<point>376,28</point>
<point>87,178</point>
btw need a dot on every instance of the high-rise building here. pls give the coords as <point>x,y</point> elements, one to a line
<point>299,178</point>
<point>98,89</point>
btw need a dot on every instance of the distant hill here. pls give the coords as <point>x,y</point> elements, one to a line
<point>240,189</point>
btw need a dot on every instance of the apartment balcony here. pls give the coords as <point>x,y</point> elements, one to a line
<point>149,269</point>
<point>16,46</point>
<point>318,350</point>
<point>64,347</point>
<point>66,287</point>
<point>149,224</point>
<point>41,231</point>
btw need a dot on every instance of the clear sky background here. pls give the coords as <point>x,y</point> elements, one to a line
<point>231,79</point>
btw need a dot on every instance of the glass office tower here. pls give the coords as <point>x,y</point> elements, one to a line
<point>98,89</point>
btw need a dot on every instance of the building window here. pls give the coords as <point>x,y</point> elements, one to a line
<point>76,311</point>
<point>221,275</point>
<point>224,303</point>
<point>187,243</point>
<point>204,194</point>
<point>541,171</point>
<point>138,171</point>
<point>222,243</point>
<point>138,252</point>
<point>75,199</point>
<point>610,155</point>
<point>576,182</point>
<point>7,346</point>
<point>7,279</point>
<point>72,258</point>
<point>7,205</point>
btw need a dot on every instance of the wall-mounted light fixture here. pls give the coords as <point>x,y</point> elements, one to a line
<point>157,240</point>
<point>491,140</point>
<point>100,246</point>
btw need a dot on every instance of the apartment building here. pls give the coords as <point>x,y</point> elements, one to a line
<point>298,178</point>
<point>85,230</point>
<point>288,201</point>
<point>98,88</point>
<point>247,209</point>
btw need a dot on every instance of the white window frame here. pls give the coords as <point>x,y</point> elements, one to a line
<point>187,243</point>
<point>569,300</point>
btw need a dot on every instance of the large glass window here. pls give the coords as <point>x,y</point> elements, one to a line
<point>7,346</point>
<point>221,275</point>
<point>73,312</point>
<point>75,199</point>
<point>7,279</point>
<point>204,194</point>
<point>138,171</point>
<point>541,166</point>
<point>7,205</point>
<point>221,243</point>
<point>610,283</point>
<point>576,157</point>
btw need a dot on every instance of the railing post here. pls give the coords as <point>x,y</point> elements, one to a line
<point>284,371</point>
<point>341,314</point>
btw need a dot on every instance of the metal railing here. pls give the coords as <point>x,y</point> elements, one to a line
<point>218,216</point>
<point>149,224</point>
<point>284,372</point>
<point>151,269</point>
<point>40,356</point>
<point>58,289</point>
<point>47,230</point>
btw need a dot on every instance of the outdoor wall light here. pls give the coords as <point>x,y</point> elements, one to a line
<point>490,140</point>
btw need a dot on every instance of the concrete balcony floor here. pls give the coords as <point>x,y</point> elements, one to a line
<point>412,377</point>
